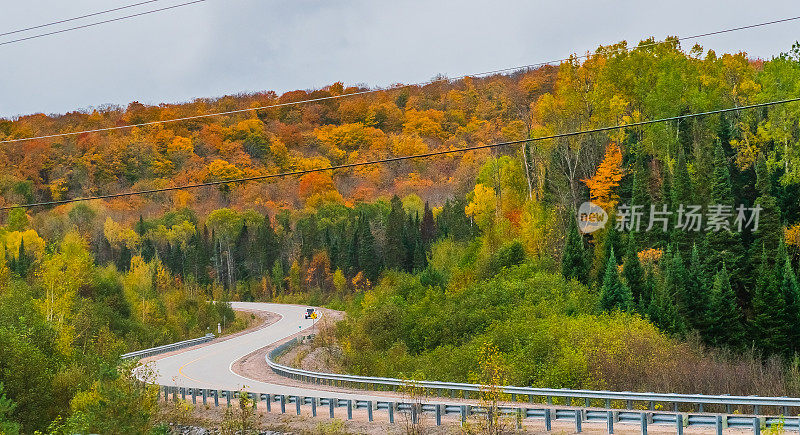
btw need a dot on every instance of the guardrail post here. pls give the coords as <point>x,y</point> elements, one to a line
<point>578,415</point>
<point>216,398</point>
<point>194,395</point>
<point>166,393</point>
<point>757,409</point>
<point>331,405</point>
<point>183,393</point>
<point>520,415</point>
<point>392,406</point>
<point>349,409</point>
<point>547,422</point>
<point>588,402</point>
<point>700,407</point>
<point>314,406</point>
<point>630,404</point>
<point>608,403</point>
<point>255,398</point>
<point>438,415</point>
<point>679,424</point>
<point>228,397</point>
<point>610,420</point>
<point>204,392</point>
<point>414,413</point>
<point>549,400</point>
<point>297,402</point>
<point>756,426</point>
<point>269,402</point>
<point>283,404</point>
<point>369,411</point>
<point>644,423</point>
<point>719,425</point>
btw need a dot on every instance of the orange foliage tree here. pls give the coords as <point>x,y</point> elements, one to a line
<point>602,187</point>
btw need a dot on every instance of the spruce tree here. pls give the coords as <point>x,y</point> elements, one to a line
<point>681,194</point>
<point>427,227</point>
<point>769,231</point>
<point>611,241</point>
<point>367,258</point>
<point>575,261</point>
<point>396,246</point>
<point>696,299</point>
<point>614,295</point>
<point>769,327</point>
<point>724,246</point>
<point>725,326</point>
<point>632,270</point>
<point>791,296</point>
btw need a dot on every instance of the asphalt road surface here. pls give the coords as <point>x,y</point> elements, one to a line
<point>210,366</point>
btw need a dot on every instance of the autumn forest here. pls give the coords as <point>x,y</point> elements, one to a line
<point>431,258</point>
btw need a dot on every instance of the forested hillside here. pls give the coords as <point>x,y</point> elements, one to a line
<point>432,258</point>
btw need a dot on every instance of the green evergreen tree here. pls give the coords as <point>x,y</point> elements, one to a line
<point>396,249</point>
<point>791,296</point>
<point>696,299</point>
<point>725,246</point>
<point>575,261</point>
<point>610,241</point>
<point>614,295</point>
<point>367,258</point>
<point>427,227</point>
<point>770,230</point>
<point>632,270</point>
<point>769,327</point>
<point>681,194</point>
<point>725,325</point>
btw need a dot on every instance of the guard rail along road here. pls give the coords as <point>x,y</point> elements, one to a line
<point>139,354</point>
<point>566,396</point>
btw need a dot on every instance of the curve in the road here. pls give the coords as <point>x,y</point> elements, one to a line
<point>210,366</point>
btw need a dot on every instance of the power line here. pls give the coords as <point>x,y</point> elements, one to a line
<point>370,91</point>
<point>77,18</point>
<point>55,32</point>
<point>401,158</point>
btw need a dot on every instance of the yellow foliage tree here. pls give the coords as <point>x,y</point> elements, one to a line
<point>483,206</point>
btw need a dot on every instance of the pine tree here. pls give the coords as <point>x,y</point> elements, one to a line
<point>681,194</point>
<point>427,227</point>
<point>614,294</point>
<point>367,258</point>
<point>140,227</point>
<point>769,311</point>
<point>575,261</point>
<point>725,247</point>
<point>241,254</point>
<point>791,296</point>
<point>396,249</point>
<point>696,299</point>
<point>610,241</point>
<point>203,258</point>
<point>124,259</point>
<point>725,326</point>
<point>632,270</point>
<point>769,231</point>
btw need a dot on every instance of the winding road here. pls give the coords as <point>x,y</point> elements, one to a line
<point>211,366</point>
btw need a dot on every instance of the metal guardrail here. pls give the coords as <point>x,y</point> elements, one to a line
<point>167,347</point>
<point>413,411</point>
<point>588,397</point>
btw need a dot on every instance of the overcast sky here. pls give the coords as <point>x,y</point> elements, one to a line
<point>229,46</point>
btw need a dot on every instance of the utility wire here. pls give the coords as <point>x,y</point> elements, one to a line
<point>379,89</point>
<point>55,32</point>
<point>77,18</point>
<point>401,158</point>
